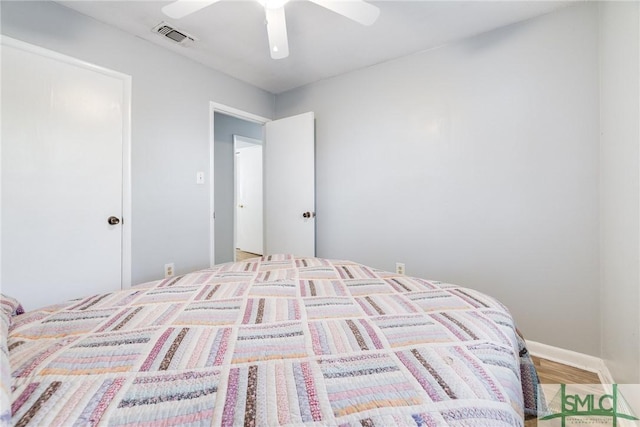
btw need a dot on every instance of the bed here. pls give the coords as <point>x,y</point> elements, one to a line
<point>269,341</point>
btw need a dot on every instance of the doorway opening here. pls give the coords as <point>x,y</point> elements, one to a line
<point>288,182</point>
<point>226,124</point>
<point>248,198</point>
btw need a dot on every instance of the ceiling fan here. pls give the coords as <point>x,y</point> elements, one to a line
<point>356,10</point>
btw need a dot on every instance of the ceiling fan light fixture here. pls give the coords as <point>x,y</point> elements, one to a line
<point>357,10</point>
<point>277,33</point>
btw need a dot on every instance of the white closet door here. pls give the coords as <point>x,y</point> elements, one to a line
<point>62,177</point>
<point>249,196</point>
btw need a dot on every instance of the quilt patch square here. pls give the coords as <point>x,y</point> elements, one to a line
<point>187,348</point>
<point>283,288</point>
<point>180,398</point>
<point>351,271</point>
<point>140,316</point>
<point>65,401</point>
<point>322,288</point>
<point>410,284</point>
<point>266,342</point>
<point>64,323</point>
<point>438,300</point>
<point>383,304</point>
<point>271,310</point>
<point>219,312</point>
<point>365,382</point>
<point>401,331</point>
<point>283,393</point>
<point>168,294</point>
<point>368,287</point>
<point>343,336</point>
<point>452,373</point>
<point>315,268</point>
<point>101,353</point>
<point>328,307</point>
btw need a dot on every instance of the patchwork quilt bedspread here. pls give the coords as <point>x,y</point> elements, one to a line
<point>267,342</point>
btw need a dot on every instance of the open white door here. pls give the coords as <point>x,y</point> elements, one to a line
<point>289,186</point>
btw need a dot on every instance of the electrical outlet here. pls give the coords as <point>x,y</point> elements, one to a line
<point>400,267</point>
<point>168,270</point>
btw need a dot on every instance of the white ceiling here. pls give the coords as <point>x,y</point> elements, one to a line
<point>232,37</point>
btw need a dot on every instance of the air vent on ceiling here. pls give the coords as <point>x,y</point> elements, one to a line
<point>172,33</point>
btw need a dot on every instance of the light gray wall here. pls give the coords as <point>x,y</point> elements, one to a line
<point>224,128</point>
<point>620,192</point>
<point>170,127</point>
<point>475,163</point>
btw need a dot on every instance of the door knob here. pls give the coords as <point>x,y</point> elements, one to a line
<point>113,220</point>
<point>308,214</point>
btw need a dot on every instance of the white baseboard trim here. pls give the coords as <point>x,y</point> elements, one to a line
<point>572,358</point>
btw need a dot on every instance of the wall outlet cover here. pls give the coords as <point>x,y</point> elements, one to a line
<point>169,270</point>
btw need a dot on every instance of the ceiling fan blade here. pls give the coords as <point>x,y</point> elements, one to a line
<point>356,10</point>
<point>277,31</point>
<point>181,8</point>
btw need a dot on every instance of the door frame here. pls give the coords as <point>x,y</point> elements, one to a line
<point>236,140</point>
<point>215,107</point>
<point>126,222</point>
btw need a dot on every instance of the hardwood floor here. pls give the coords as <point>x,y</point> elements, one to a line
<point>551,372</point>
<point>242,255</point>
<point>556,373</point>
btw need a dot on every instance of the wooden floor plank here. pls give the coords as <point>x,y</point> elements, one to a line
<point>242,255</point>
<point>551,372</point>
